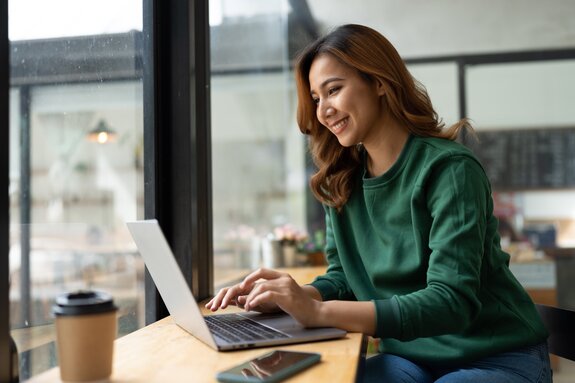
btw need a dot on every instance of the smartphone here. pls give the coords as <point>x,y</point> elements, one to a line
<point>271,367</point>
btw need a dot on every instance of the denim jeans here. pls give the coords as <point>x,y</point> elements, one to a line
<point>528,364</point>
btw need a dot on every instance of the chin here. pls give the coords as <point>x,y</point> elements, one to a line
<point>346,142</point>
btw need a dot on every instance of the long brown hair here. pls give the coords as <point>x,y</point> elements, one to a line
<point>373,56</point>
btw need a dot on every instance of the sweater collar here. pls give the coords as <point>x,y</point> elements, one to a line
<point>395,168</point>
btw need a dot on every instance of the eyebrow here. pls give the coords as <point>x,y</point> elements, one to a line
<point>327,81</point>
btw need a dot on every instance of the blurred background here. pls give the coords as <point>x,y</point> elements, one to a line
<point>76,131</point>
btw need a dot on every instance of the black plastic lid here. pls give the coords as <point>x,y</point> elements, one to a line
<point>83,303</point>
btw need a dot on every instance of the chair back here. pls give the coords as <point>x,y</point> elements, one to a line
<point>561,326</point>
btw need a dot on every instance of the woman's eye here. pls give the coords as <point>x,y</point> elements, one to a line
<point>333,90</point>
<point>315,100</point>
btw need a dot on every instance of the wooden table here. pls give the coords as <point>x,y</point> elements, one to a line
<point>163,352</point>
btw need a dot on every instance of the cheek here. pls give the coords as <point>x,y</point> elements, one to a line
<point>372,107</point>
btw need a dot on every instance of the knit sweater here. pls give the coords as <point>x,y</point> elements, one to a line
<point>421,242</point>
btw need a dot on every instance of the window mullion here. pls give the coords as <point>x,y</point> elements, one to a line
<point>177,140</point>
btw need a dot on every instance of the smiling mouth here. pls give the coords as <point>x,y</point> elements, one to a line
<point>339,126</point>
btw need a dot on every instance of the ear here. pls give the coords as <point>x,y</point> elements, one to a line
<point>380,87</point>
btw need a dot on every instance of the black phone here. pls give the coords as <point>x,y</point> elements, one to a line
<point>270,367</point>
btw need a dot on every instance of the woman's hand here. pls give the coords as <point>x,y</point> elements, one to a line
<point>269,290</point>
<point>236,296</point>
<point>271,287</point>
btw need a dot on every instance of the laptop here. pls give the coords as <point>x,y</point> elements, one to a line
<point>221,332</point>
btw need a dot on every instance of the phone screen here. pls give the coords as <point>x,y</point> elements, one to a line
<point>271,367</point>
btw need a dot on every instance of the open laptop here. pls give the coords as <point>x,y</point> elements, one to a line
<point>223,331</point>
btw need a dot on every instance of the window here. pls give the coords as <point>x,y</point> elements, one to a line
<point>526,105</point>
<point>440,81</point>
<point>258,153</point>
<point>76,164</point>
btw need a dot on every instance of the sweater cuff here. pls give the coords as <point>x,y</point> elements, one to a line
<point>326,289</point>
<point>388,318</point>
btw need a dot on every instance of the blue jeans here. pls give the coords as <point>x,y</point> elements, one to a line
<point>526,365</point>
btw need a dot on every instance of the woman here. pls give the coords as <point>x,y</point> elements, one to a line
<point>412,245</point>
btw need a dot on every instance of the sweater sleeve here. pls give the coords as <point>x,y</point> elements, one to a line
<point>457,198</point>
<point>333,285</point>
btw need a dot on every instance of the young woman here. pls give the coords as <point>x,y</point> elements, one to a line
<point>412,245</point>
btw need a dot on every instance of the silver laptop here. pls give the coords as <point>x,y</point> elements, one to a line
<point>222,331</point>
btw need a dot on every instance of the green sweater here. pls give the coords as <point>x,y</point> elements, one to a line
<point>421,242</point>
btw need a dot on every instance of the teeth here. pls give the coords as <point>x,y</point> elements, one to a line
<point>339,125</point>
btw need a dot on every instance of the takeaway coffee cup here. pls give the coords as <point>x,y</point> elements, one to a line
<point>85,333</point>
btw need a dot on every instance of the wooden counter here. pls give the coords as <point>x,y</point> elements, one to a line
<point>163,352</point>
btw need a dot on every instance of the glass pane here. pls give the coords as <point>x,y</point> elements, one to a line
<point>258,152</point>
<point>440,80</point>
<point>76,169</point>
<point>526,125</point>
<point>522,95</point>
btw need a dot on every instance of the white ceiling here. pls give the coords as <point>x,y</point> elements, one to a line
<point>443,27</point>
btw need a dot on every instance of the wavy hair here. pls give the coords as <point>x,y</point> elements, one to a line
<point>373,56</point>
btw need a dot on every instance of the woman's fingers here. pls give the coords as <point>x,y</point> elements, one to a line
<point>212,301</point>
<point>267,274</point>
<point>260,294</point>
<point>269,307</point>
<point>287,295</point>
<point>263,298</point>
<point>268,290</point>
<point>238,294</point>
<point>231,296</point>
<point>223,298</point>
<point>216,300</point>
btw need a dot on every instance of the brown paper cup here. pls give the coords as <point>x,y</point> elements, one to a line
<point>85,339</point>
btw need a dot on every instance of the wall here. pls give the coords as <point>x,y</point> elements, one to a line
<point>446,27</point>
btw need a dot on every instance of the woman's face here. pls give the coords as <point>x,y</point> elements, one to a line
<point>347,104</point>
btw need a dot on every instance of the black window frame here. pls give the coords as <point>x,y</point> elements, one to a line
<point>5,364</point>
<point>177,140</point>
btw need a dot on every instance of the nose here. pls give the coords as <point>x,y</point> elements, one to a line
<point>325,111</point>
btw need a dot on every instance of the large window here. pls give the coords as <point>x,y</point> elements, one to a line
<point>441,82</point>
<point>76,164</point>
<point>523,114</point>
<point>258,153</point>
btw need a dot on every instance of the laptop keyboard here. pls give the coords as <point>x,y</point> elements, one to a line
<point>236,328</point>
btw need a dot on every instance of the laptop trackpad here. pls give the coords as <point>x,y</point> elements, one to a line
<point>279,321</point>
